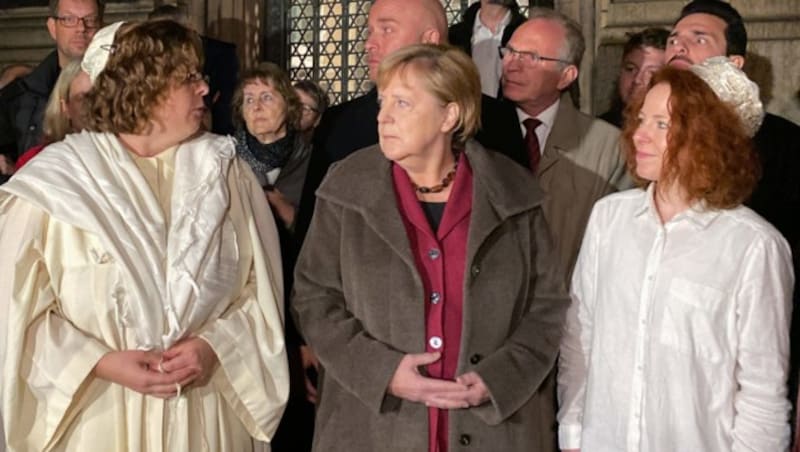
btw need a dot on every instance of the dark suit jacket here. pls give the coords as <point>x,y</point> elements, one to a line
<point>460,34</point>
<point>22,105</point>
<point>777,199</point>
<point>222,67</point>
<point>777,195</point>
<point>353,125</point>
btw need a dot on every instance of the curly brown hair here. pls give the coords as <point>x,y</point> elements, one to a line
<point>708,151</point>
<point>146,60</point>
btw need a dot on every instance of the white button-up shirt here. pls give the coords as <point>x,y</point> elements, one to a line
<point>678,334</point>
<point>484,52</point>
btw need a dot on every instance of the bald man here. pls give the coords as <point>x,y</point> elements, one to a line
<point>348,127</point>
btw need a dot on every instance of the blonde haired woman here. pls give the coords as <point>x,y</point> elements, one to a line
<point>428,284</point>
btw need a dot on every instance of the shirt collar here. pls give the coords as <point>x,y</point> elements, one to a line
<point>698,213</point>
<point>478,24</point>
<point>547,117</point>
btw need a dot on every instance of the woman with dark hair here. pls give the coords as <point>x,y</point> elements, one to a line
<point>142,284</point>
<point>428,284</point>
<point>678,335</point>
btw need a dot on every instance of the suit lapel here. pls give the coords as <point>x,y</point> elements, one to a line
<point>562,137</point>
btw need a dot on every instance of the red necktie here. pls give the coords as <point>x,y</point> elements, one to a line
<point>532,142</point>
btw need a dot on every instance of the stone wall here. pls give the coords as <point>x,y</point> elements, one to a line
<point>773,58</point>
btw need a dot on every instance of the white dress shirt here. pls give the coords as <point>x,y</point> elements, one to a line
<point>547,118</point>
<point>678,336</point>
<point>485,53</point>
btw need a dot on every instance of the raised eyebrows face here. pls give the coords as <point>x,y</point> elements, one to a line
<point>694,39</point>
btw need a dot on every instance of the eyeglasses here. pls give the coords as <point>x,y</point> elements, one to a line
<point>527,57</point>
<point>91,22</point>
<point>194,77</point>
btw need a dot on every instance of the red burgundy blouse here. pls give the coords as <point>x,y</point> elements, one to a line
<point>440,259</point>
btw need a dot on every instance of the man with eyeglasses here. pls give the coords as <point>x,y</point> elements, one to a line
<point>72,24</point>
<point>575,156</point>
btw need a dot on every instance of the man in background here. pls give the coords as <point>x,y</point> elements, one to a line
<point>710,28</point>
<point>72,24</point>
<point>485,26</point>
<point>575,156</point>
<point>642,56</point>
<point>345,128</point>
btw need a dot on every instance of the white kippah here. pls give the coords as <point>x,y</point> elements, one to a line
<point>733,87</point>
<point>102,45</point>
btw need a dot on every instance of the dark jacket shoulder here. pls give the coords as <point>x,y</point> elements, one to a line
<point>460,34</point>
<point>23,106</point>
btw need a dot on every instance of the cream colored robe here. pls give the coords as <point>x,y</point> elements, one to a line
<point>60,298</point>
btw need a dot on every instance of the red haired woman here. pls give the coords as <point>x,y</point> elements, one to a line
<point>678,336</point>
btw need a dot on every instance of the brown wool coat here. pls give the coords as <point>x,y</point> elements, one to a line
<point>359,303</point>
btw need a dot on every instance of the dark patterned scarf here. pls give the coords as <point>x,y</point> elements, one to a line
<point>263,158</point>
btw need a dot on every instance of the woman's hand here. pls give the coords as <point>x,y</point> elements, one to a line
<point>282,206</point>
<point>138,370</point>
<point>407,383</point>
<point>192,357</point>
<point>478,393</point>
<point>309,361</point>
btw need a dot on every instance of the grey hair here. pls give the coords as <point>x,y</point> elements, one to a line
<point>574,44</point>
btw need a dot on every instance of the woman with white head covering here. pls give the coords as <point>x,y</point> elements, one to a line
<point>141,280</point>
<point>678,336</point>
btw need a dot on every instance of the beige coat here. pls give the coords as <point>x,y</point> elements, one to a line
<point>580,164</point>
<point>64,302</point>
<point>359,302</point>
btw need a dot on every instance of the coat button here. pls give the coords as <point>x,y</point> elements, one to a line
<point>464,440</point>
<point>435,342</point>
<point>436,297</point>
<point>475,359</point>
<point>433,254</point>
<point>474,270</point>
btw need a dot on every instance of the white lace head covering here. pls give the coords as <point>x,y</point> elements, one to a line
<point>733,87</point>
<point>102,45</point>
